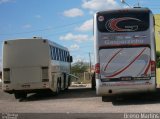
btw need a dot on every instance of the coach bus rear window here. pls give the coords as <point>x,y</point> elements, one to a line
<point>131,21</point>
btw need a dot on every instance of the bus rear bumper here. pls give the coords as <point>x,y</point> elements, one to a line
<point>28,87</point>
<point>27,91</point>
<point>124,87</point>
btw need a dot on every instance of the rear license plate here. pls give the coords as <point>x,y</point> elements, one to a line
<point>126,78</point>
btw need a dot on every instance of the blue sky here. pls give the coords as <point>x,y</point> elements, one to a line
<point>67,22</point>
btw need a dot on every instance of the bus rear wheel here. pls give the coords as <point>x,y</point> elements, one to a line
<point>58,88</point>
<point>20,95</point>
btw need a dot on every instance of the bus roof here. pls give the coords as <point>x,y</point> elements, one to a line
<point>40,38</point>
<point>124,10</point>
<point>57,45</point>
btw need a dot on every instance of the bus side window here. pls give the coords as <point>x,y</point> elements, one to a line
<point>62,55</point>
<point>51,52</point>
<point>65,56</point>
<point>56,52</point>
<point>59,54</point>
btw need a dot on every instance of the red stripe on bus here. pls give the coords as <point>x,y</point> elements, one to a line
<point>128,64</point>
<point>124,45</point>
<point>112,58</point>
<point>147,69</point>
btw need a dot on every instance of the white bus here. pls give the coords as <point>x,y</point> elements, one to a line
<point>124,51</point>
<point>33,65</point>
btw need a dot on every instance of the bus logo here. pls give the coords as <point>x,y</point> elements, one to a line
<point>100,18</point>
<point>115,24</point>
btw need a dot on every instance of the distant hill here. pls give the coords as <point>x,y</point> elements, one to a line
<point>157,31</point>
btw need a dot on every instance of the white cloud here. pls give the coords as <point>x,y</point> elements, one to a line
<point>5,1</point>
<point>86,26</point>
<point>95,5</point>
<point>82,58</point>
<point>38,16</point>
<point>74,47</point>
<point>79,58</point>
<point>27,26</point>
<point>75,12</point>
<point>78,38</point>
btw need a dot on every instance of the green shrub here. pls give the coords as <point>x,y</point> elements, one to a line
<point>158,59</point>
<point>158,64</point>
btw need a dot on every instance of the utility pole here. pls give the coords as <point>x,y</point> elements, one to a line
<point>89,65</point>
<point>138,4</point>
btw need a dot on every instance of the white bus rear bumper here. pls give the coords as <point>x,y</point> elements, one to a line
<point>124,87</point>
<point>27,87</point>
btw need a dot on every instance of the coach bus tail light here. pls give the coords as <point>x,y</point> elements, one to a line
<point>153,68</point>
<point>97,68</point>
<point>45,77</point>
<point>6,75</point>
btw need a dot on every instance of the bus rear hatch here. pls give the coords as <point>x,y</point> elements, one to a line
<point>125,63</point>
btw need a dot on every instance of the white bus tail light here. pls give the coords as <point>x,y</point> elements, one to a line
<point>97,68</point>
<point>153,68</point>
<point>6,75</point>
<point>45,77</point>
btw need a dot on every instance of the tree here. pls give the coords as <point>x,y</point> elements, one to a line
<point>80,70</point>
<point>79,67</point>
